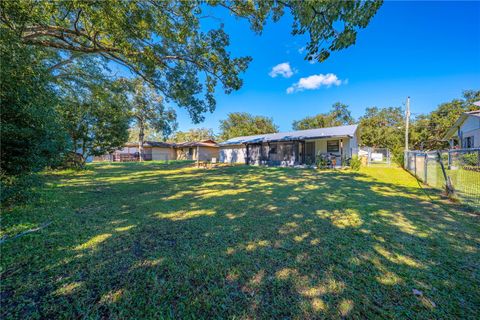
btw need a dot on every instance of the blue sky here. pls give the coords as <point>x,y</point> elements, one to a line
<point>429,51</point>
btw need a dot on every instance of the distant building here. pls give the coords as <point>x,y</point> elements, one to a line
<point>156,150</point>
<point>197,150</point>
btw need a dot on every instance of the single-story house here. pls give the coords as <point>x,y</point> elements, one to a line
<point>292,148</point>
<point>156,150</point>
<point>198,150</point>
<point>465,133</point>
<point>152,150</point>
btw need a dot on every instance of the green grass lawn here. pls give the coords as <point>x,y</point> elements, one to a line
<point>151,240</point>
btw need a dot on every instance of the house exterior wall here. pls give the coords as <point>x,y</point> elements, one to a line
<point>471,128</point>
<point>354,142</point>
<point>183,153</point>
<point>287,153</point>
<point>347,143</point>
<point>204,153</point>
<point>159,153</point>
<point>207,153</point>
<point>233,154</point>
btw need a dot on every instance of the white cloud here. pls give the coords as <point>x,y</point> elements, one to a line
<point>282,69</point>
<point>314,82</point>
<point>301,50</point>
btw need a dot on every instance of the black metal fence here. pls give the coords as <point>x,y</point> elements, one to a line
<point>456,171</point>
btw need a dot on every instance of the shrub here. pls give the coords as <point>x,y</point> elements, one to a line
<point>321,162</point>
<point>17,189</point>
<point>398,156</point>
<point>72,160</point>
<point>470,159</point>
<point>355,163</point>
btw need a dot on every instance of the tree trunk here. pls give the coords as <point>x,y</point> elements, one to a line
<point>75,143</point>
<point>84,153</point>
<point>141,137</point>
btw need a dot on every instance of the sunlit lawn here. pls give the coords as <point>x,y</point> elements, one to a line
<point>159,241</point>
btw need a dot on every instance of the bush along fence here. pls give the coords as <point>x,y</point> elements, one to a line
<point>455,171</point>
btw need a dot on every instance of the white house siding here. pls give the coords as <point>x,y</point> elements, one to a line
<point>471,128</point>
<point>353,148</point>
<point>233,154</point>
<point>321,146</point>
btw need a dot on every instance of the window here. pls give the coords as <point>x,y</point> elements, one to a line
<point>273,150</point>
<point>468,142</point>
<point>333,146</point>
<point>190,151</point>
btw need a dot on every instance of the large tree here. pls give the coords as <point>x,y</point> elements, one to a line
<point>31,137</point>
<point>149,112</point>
<point>244,124</point>
<point>383,128</point>
<point>196,134</point>
<point>176,45</point>
<point>339,115</point>
<point>95,117</point>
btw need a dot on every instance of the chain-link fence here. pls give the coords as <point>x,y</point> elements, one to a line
<point>374,156</point>
<point>455,171</point>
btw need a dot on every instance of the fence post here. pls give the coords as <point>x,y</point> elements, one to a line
<point>448,185</point>
<point>425,168</point>
<point>415,163</point>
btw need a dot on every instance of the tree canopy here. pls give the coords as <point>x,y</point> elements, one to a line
<point>338,115</point>
<point>149,112</point>
<point>96,117</point>
<point>31,135</point>
<point>244,124</point>
<point>383,127</point>
<point>176,46</point>
<point>197,134</point>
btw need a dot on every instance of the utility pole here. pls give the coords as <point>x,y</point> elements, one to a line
<point>407,122</point>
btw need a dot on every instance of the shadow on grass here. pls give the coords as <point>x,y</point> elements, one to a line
<point>171,241</point>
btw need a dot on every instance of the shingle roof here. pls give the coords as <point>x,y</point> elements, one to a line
<point>340,131</point>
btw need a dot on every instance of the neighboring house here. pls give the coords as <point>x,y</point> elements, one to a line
<point>292,148</point>
<point>465,133</point>
<point>152,150</point>
<point>199,150</point>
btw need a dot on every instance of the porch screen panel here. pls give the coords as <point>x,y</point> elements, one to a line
<point>254,153</point>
